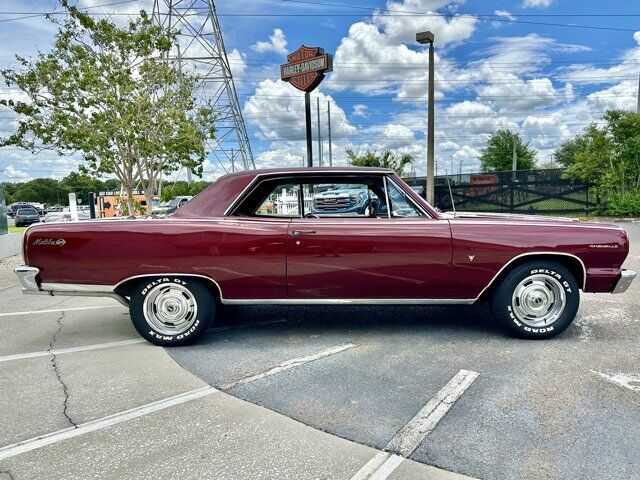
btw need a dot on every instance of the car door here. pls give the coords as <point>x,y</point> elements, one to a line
<point>405,254</point>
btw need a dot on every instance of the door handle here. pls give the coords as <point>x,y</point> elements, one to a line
<point>297,233</point>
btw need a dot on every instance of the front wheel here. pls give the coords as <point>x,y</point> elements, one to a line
<point>536,300</point>
<point>170,311</point>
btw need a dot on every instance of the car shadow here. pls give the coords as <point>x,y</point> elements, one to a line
<point>473,321</point>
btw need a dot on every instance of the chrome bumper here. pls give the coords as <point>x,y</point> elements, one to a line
<point>28,278</point>
<point>626,277</point>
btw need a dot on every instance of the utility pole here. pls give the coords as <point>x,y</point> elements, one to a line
<point>514,164</point>
<point>422,38</point>
<point>329,132</point>
<point>319,134</point>
<point>638,106</point>
<point>460,171</point>
<point>307,117</point>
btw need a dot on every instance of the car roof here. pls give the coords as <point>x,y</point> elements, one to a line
<point>215,200</point>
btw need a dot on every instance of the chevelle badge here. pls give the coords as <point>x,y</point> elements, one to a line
<point>58,242</point>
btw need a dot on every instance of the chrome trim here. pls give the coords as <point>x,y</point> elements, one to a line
<point>626,277</point>
<point>170,274</point>
<point>77,287</point>
<point>528,254</point>
<point>352,301</point>
<point>27,276</point>
<point>386,196</point>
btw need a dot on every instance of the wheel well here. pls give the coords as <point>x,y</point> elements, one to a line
<point>127,287</point>
<point>570,262</point>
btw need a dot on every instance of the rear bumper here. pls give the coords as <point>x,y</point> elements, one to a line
<point>31,285</point>
<point>626,277</point>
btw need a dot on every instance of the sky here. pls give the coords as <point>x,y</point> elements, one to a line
<point>542,68</point>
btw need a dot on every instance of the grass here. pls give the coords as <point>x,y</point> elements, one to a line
<point>14,229</point>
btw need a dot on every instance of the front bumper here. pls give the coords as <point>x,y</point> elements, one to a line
<point>626,277</point>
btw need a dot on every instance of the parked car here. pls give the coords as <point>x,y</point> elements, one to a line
<point>171,206</point>
<point>14,207</point>
<point>233,244</point>
<point>26,216</point>
<point>341,199</point>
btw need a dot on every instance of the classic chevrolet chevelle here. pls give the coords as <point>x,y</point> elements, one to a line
<point>281,237</point>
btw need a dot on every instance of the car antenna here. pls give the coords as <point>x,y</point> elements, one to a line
<point>453,204</point>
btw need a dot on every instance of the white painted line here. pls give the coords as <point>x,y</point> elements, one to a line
<point>625,380</point>
<point>116,418</point>
<point>71,432</point>
<point>62,351</point>
<point>33,312</point>
<point>387,468</point>
<point>413,433</point>
<point>295,362</point>
<point>371,466</point>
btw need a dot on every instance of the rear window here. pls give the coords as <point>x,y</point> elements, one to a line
<point>27,211</point>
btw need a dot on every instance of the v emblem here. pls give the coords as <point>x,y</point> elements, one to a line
<point>471,257</point>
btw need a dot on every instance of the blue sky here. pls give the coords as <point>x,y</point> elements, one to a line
<point>498,65</point>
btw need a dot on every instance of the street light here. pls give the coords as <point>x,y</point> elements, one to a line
<point>422,38</point>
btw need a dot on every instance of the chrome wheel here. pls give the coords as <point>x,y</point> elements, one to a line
<point>538,300</point>
<point>170,309</point>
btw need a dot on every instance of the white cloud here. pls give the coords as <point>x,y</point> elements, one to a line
<point>237,63</point>
<point>536,3</point>
<point>504,15</point>
<point>277,43</point>
<point>636,37</point>
<point>359,110</point>
<point>12,174</point>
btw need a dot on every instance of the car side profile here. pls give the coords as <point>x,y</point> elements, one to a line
<point>256,237</point>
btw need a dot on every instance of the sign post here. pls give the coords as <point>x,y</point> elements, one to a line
<point>305,71</point>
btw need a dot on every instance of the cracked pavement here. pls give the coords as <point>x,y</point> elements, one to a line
<point>54,364</point>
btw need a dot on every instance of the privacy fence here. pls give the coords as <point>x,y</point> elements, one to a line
<point>523,191</point>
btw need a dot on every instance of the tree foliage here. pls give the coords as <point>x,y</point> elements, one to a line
<point>107,93</point>
<point>609,157</point>
<point>384,159</point>
<point>497,156</point>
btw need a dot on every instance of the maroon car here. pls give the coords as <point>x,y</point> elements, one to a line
<point>254,238</point>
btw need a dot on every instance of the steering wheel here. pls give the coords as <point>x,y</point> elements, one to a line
<point>310,215</point>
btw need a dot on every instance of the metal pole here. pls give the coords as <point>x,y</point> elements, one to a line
<point>319,134</point>
<point>92,205</point>
<point>514,164</point>
<point>329,132</point>
<point>307,116</point>
<point>430,127</point>
<point>638,107</point>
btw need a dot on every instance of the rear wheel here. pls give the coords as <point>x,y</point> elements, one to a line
<point>170,311</point>
<point>536,300</point>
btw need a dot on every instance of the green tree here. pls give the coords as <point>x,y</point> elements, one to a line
<point>609,157</point>
<point>497,156</point>
<point>565,154</point>
<point>384,159</point>
<point>109,94</point>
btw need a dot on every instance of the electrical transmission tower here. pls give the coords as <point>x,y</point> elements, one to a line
<point>201,51</point>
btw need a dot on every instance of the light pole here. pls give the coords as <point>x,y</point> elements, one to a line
<point>422,38</point>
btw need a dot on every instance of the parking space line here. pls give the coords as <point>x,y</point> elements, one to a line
<point>54,310</point>
<point>61,351</point>
<point>286,365</point>
<point>413,433</point>
<point>116,418</point>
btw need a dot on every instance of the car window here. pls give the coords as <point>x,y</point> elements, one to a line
<point>401,205</point>
<point>27,211</point>
<point>283,201</point>
<point>359,200</point>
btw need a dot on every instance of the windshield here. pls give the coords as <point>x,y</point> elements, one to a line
<point>27,211</point>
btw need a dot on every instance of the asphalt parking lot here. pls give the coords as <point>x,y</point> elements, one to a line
<point>319,392</point>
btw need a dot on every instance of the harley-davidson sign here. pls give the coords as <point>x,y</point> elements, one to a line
<point>306,68</point>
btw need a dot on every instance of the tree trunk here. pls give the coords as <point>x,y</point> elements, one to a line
<point>131,205</point>
<point>148,193</point>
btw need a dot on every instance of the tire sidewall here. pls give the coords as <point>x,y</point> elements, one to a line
<point>502,300</point>
<point>205,310</point>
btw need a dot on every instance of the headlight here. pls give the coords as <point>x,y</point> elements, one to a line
<point>358,198</point>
